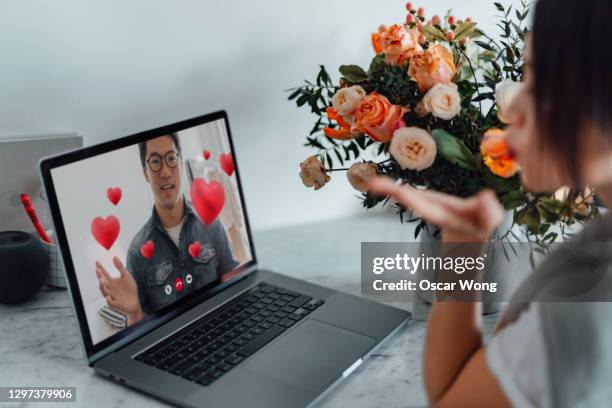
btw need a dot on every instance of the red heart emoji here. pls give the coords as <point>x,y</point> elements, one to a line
<point>227,163</point>
<point>114,195</point>
<point>194,249</point>
<point>105,231</point>
<point>147,249</point>
<point>207,199</point>
<point>206,154</point>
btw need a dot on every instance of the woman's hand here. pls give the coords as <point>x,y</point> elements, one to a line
<point>120,293</point>
<point>461,219</point>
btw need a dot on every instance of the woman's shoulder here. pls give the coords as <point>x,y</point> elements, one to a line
<point>577,337</point>
<point>577,270</point>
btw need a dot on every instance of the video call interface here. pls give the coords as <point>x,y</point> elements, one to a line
<point>152,223</point>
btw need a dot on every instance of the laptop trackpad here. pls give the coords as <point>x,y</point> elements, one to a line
<point>311,356</point>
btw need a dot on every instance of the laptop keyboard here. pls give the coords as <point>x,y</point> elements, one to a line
<point>214,344</point>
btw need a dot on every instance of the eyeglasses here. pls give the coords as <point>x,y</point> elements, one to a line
<point>155,161</point>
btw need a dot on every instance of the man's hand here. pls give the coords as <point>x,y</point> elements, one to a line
<point>120,293</point>
<point>461,219</point>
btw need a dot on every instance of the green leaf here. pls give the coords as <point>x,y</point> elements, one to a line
<point>518,15</point>
<point>340,160</point>
<point>377,64</point>
<point>302,99</point>
<point>513,199</point>
<point>324,75</point>
<point>294,94</point>
<point>433,33</point>
<point>484,45</point>
<point>464,30</point>
<point>483,96</point>
<point>347,155</point>
<point>551,204</point>
<point>499,184</point>
<point>499,7</point>
<point>361,141</point>
<point>316,127</point>
<point>529,217</point>
<point>454,150</point>
<point>312,141</point>
<point>550,237</point>
<point>353,73</point>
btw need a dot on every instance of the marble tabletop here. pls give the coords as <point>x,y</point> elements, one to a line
<point>39,340</point>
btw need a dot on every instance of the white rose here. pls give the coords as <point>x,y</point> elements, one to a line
<point>443,101</point>
<point>360,173</point>
<point>413,148</point>
<point>346,99</point>
<point>505,92</point>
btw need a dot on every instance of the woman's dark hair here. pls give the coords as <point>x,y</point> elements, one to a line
<point>572,57</point>
<point>142,148</point>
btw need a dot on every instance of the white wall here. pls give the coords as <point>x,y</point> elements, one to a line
<point>113,67</point>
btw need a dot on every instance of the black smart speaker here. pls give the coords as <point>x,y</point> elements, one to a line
<point>24,265</point>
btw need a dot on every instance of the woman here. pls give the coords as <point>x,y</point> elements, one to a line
<point>543,353</point>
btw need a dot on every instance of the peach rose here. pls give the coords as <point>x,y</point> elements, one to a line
<point>360,173</point>
<point>313,173</point>
<point>377,117</point>
<point>443,101</point>
<point>432,67</point>
<point>345,100</point>
<point>398,44</point>
<point>413,148</point>
<point>583,201</point>
<point>496,153</point>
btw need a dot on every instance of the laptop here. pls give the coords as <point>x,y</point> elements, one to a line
<point>169,296</point>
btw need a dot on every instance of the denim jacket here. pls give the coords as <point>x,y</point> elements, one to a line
<point>172,273</point>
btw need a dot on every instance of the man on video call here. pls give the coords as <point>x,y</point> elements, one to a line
<point>148,285</point>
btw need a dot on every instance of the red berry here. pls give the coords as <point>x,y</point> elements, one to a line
<point>410,18</point>
<point>451,20</point>
<point>409,6</point>
<point>421,12</point>
<point>468,20</point>
<point>450,36</point>
<point>436,20</point>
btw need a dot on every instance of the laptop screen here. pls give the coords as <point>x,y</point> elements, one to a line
<point>152,223</point>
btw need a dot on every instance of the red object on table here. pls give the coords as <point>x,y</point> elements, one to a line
<point>29,208</point>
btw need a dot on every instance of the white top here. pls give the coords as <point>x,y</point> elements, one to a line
<point>516,356</point>
<point>175,232</point>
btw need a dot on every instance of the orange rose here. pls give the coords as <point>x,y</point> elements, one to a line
<point>496,154</point>
<point>344,130</point>
<point>432,67</point>
<point>376,116</point>
<point>398,44</point>
<point>375,44</point>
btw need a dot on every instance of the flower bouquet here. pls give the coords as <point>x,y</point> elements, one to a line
<point>430,107</point>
